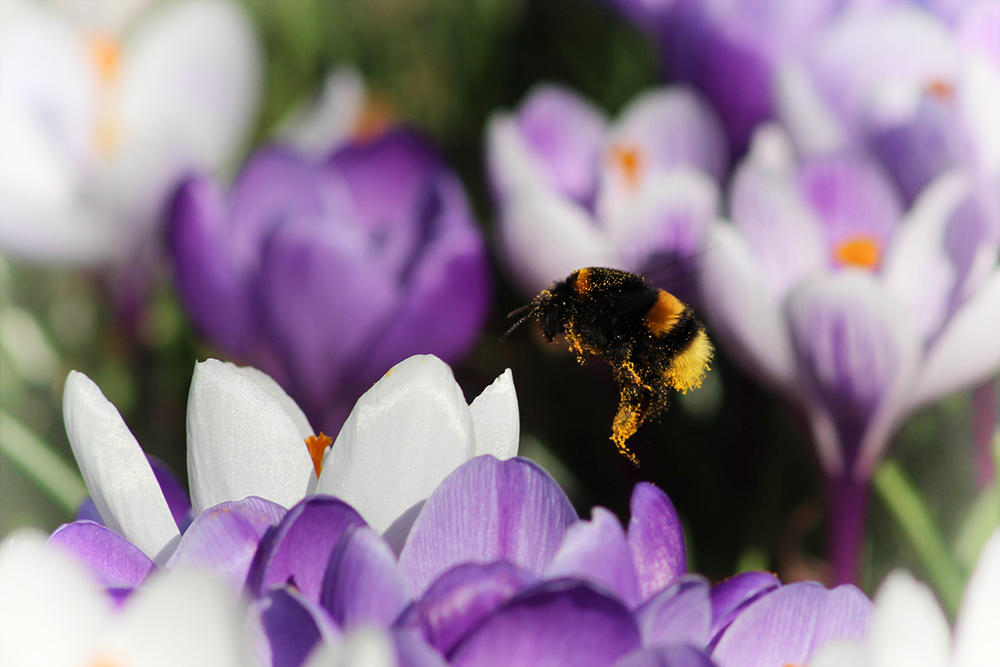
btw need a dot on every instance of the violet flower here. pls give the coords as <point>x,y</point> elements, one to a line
<point>574,190</point>
<point>857,310</point>
<point>105,106</point>
<point>326,274</point>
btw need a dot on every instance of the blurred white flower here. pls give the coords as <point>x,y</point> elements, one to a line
<point>332,119</point>
<point>104,106</point>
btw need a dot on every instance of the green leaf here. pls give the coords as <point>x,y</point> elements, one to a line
<point>48,470</point>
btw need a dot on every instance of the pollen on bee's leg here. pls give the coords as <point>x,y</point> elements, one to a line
<point>626,423</point>
<point>317,444</point>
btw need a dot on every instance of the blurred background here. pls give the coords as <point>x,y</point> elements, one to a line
<point>735,461</point>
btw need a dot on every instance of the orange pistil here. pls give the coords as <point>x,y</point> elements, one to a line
<point>317,444</point>
<point>943,90</point>
<point>377,115</point>
<point>862,250</point>
<point>629,159</point>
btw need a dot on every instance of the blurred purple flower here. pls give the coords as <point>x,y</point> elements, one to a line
<point>327,274</point>
<point>857,310</point>
<point>731,50</point>
<point>574,190</point>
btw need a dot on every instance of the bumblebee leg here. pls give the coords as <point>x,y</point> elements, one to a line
<point>632,411</point>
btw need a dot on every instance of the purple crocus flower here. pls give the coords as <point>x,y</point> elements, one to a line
<point>575,190</point>
<point>730,50</point>
<point>854,308</point>
<point>326,274</point>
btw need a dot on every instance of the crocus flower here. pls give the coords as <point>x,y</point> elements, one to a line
<point>246,437</point>
<point>857,310</point>
<point>326,274</point>
<point>909,627</point>
<point>574,190</point>
<point>731,51</point>
<point>53,613</point>
<point>104,108</point>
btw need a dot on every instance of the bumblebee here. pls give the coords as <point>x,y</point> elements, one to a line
<point>649,337</point>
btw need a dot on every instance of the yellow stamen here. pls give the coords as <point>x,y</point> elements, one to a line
<point>630,160</point>
<point>106,53</point>
<point>943,90</point>
<point>317,444</point>
<point>106,136</point>
<point>861,250</point>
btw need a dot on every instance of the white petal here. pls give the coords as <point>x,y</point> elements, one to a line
<point>180,617</point>
<point>368,647</point>
<point>192,70</point>
<point>268,384</point>
<point>241,441</point>
<point>328,122</point>
<point>52,611</point>
<point>976,641</point>
<point>841,653</point>
<point>742,310</point>
<point>908,627</point>
<point>509,161</point>
<point>110,17</point>
<point>546,237</point>
<point>116,471</point>
<point>811,122</point>
<point>495,418</point>
<point>968,350</point>
<point>404,436</point>
<point>917,269</point>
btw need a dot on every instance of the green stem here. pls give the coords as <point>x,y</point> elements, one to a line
<point>899,494</point>
<point>48,470</point>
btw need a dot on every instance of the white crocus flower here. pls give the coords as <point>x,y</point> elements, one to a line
<point>102,110</point>
<point>910,630</point>
<point>247,437</point>
<point>53,613</point>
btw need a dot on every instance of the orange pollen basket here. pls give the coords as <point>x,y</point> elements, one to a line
<point>317,444</point>
<point>863,251</point>
<point>629,159</point>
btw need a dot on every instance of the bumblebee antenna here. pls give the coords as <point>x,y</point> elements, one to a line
<point>520,321</point>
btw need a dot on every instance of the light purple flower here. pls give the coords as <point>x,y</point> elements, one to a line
<point>855,308</point>
<point>574,189</point>
<point>327,274</point>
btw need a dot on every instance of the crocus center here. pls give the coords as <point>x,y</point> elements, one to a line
<point>317,444</point>
<point>629,160</point>
<point>106,53</point>
<point>862,250</point>
<point>943,90</point>
<point>376,117</point>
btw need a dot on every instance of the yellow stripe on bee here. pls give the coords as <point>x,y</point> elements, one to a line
<point>664,314</point>
<point>582,281</point>
<point>690,366</point>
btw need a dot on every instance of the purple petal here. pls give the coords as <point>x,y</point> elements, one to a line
<point>116,562</point>
<point>565,132</point>
<point>787,626</point>
<point>299,549</point>
<point>558,623</point>
<point>681,614</point>
<point>666,656</point>
<point>210,280</point>
<point>88,512</point>
<point>597,551</point>
<point>859,351</point>
<point>656,540</point>
<point>224,538</point>
<point>176,496</point>
<point>485,511</point>
<point>290,627</point>
<point>461,599</point>
<point>363,585</point>
<point>853,198</point>
<point>732,596</point>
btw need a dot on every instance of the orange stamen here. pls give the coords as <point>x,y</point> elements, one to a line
<point>629,160</point>
<point>943,90</point>
<point>376,117</point>
<point>317,444</point>
<point>107,56</point>
<point>863,251</point>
